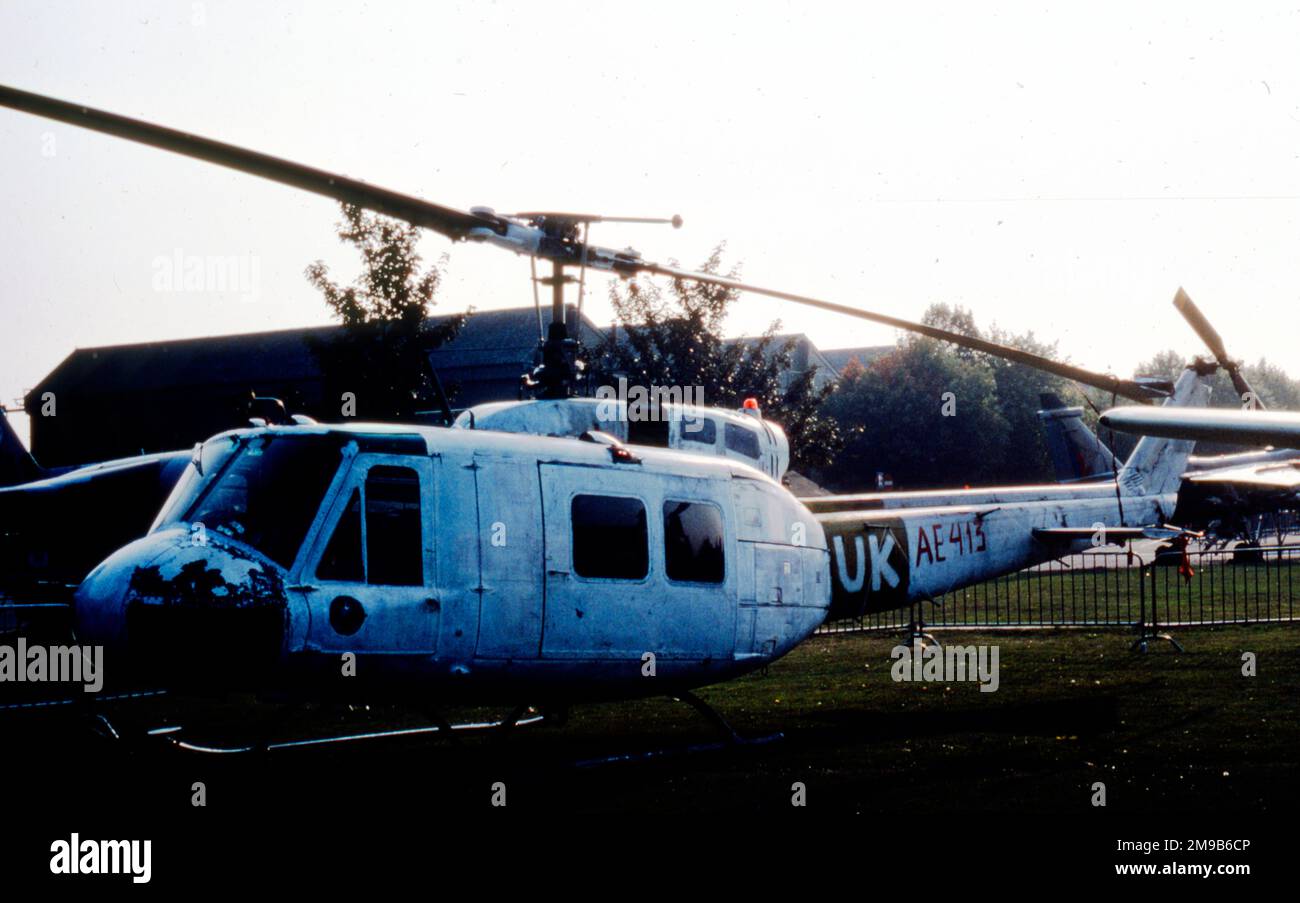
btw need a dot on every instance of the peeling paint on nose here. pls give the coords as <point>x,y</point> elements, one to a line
<point>186,614</point>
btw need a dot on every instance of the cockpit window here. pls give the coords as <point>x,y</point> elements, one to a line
<point>342,558</point>
<point>394,548</point>
<point>268,493</point>
<point>742,440</point>
<point>390,549</point>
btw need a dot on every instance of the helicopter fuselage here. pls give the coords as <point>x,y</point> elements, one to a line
<point>459,563</point>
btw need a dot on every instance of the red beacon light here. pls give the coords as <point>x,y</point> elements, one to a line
<point>750,407</point>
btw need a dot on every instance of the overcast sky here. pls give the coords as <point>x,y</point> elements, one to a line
<point>1061,171</point>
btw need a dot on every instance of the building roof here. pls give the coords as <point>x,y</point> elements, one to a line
<point>839,357</point>
<point>491,340</point>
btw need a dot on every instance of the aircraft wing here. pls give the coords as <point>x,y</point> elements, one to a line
<point>1241,427</point>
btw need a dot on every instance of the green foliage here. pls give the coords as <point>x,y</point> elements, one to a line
<point>674,338</point>
<point>1167,364</point>
<point>381,356</point>
<point>896,406</point>
<point>1026,458</point>
<point>994,435</point>
<point>1276,390</point>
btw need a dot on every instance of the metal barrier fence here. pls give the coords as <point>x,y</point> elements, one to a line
<point>1107,588</point>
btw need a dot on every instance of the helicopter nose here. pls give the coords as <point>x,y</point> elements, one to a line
<point>174,612</point>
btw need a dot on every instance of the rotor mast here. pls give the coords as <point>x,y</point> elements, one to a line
<point>560,367</point>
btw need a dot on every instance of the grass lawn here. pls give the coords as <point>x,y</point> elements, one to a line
<point>1165,732</point>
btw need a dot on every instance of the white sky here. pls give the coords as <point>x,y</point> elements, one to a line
<point>1056,170</point>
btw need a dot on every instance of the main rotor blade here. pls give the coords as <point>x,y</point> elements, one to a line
<point>458,224</point>
<point>450,222</point>
<point>1210,336</point>
<point>1123,387</point>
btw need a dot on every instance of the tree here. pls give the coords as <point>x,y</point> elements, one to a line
<point>1026,458</point>
<point>1167,364</point>
<point>995,420</point>
<point>381,356</point>
<point>1275,389</point>
<point>674,338</point>
<point>1019,389</point>
<point>923,414</point>
<point>953,318</point>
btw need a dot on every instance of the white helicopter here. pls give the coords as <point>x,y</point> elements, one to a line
<point>496,564</point>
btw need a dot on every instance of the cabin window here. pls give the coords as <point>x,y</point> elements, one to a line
<point>395,549</point>
<point>342,558</point>
<point>693,542</point>
<point>610,537</point>
<point>742,440</point>
<point>698,429</point>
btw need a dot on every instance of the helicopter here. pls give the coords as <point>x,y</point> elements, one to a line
<point>1251,425</point>
<point>487,564</point>
<point>1229,496</point>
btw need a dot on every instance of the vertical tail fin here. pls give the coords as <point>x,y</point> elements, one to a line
<point>16,463</point>
<point>1156,465</point>
<point>1077,453</point>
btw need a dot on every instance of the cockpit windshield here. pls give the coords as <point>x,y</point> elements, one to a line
<point>266,494</point>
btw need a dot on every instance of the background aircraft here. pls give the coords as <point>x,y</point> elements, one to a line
<point>1228,497</point>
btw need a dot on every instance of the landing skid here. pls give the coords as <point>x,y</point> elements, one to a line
<point>1147,633</point>
<point>916,634</point>
<point>518,717</point>
<point>729,735</point>
<point>171,735</point>
<point>1150,634</point>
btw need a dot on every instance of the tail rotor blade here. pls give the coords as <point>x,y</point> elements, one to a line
<point>1213,341</point>
<point>1209,335</point>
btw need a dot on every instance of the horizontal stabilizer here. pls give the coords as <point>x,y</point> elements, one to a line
<point>1064,536</point>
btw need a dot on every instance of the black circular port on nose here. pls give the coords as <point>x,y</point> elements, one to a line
<point>346,615</point>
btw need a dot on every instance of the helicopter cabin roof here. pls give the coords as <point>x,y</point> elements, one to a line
<point>429,440</point>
